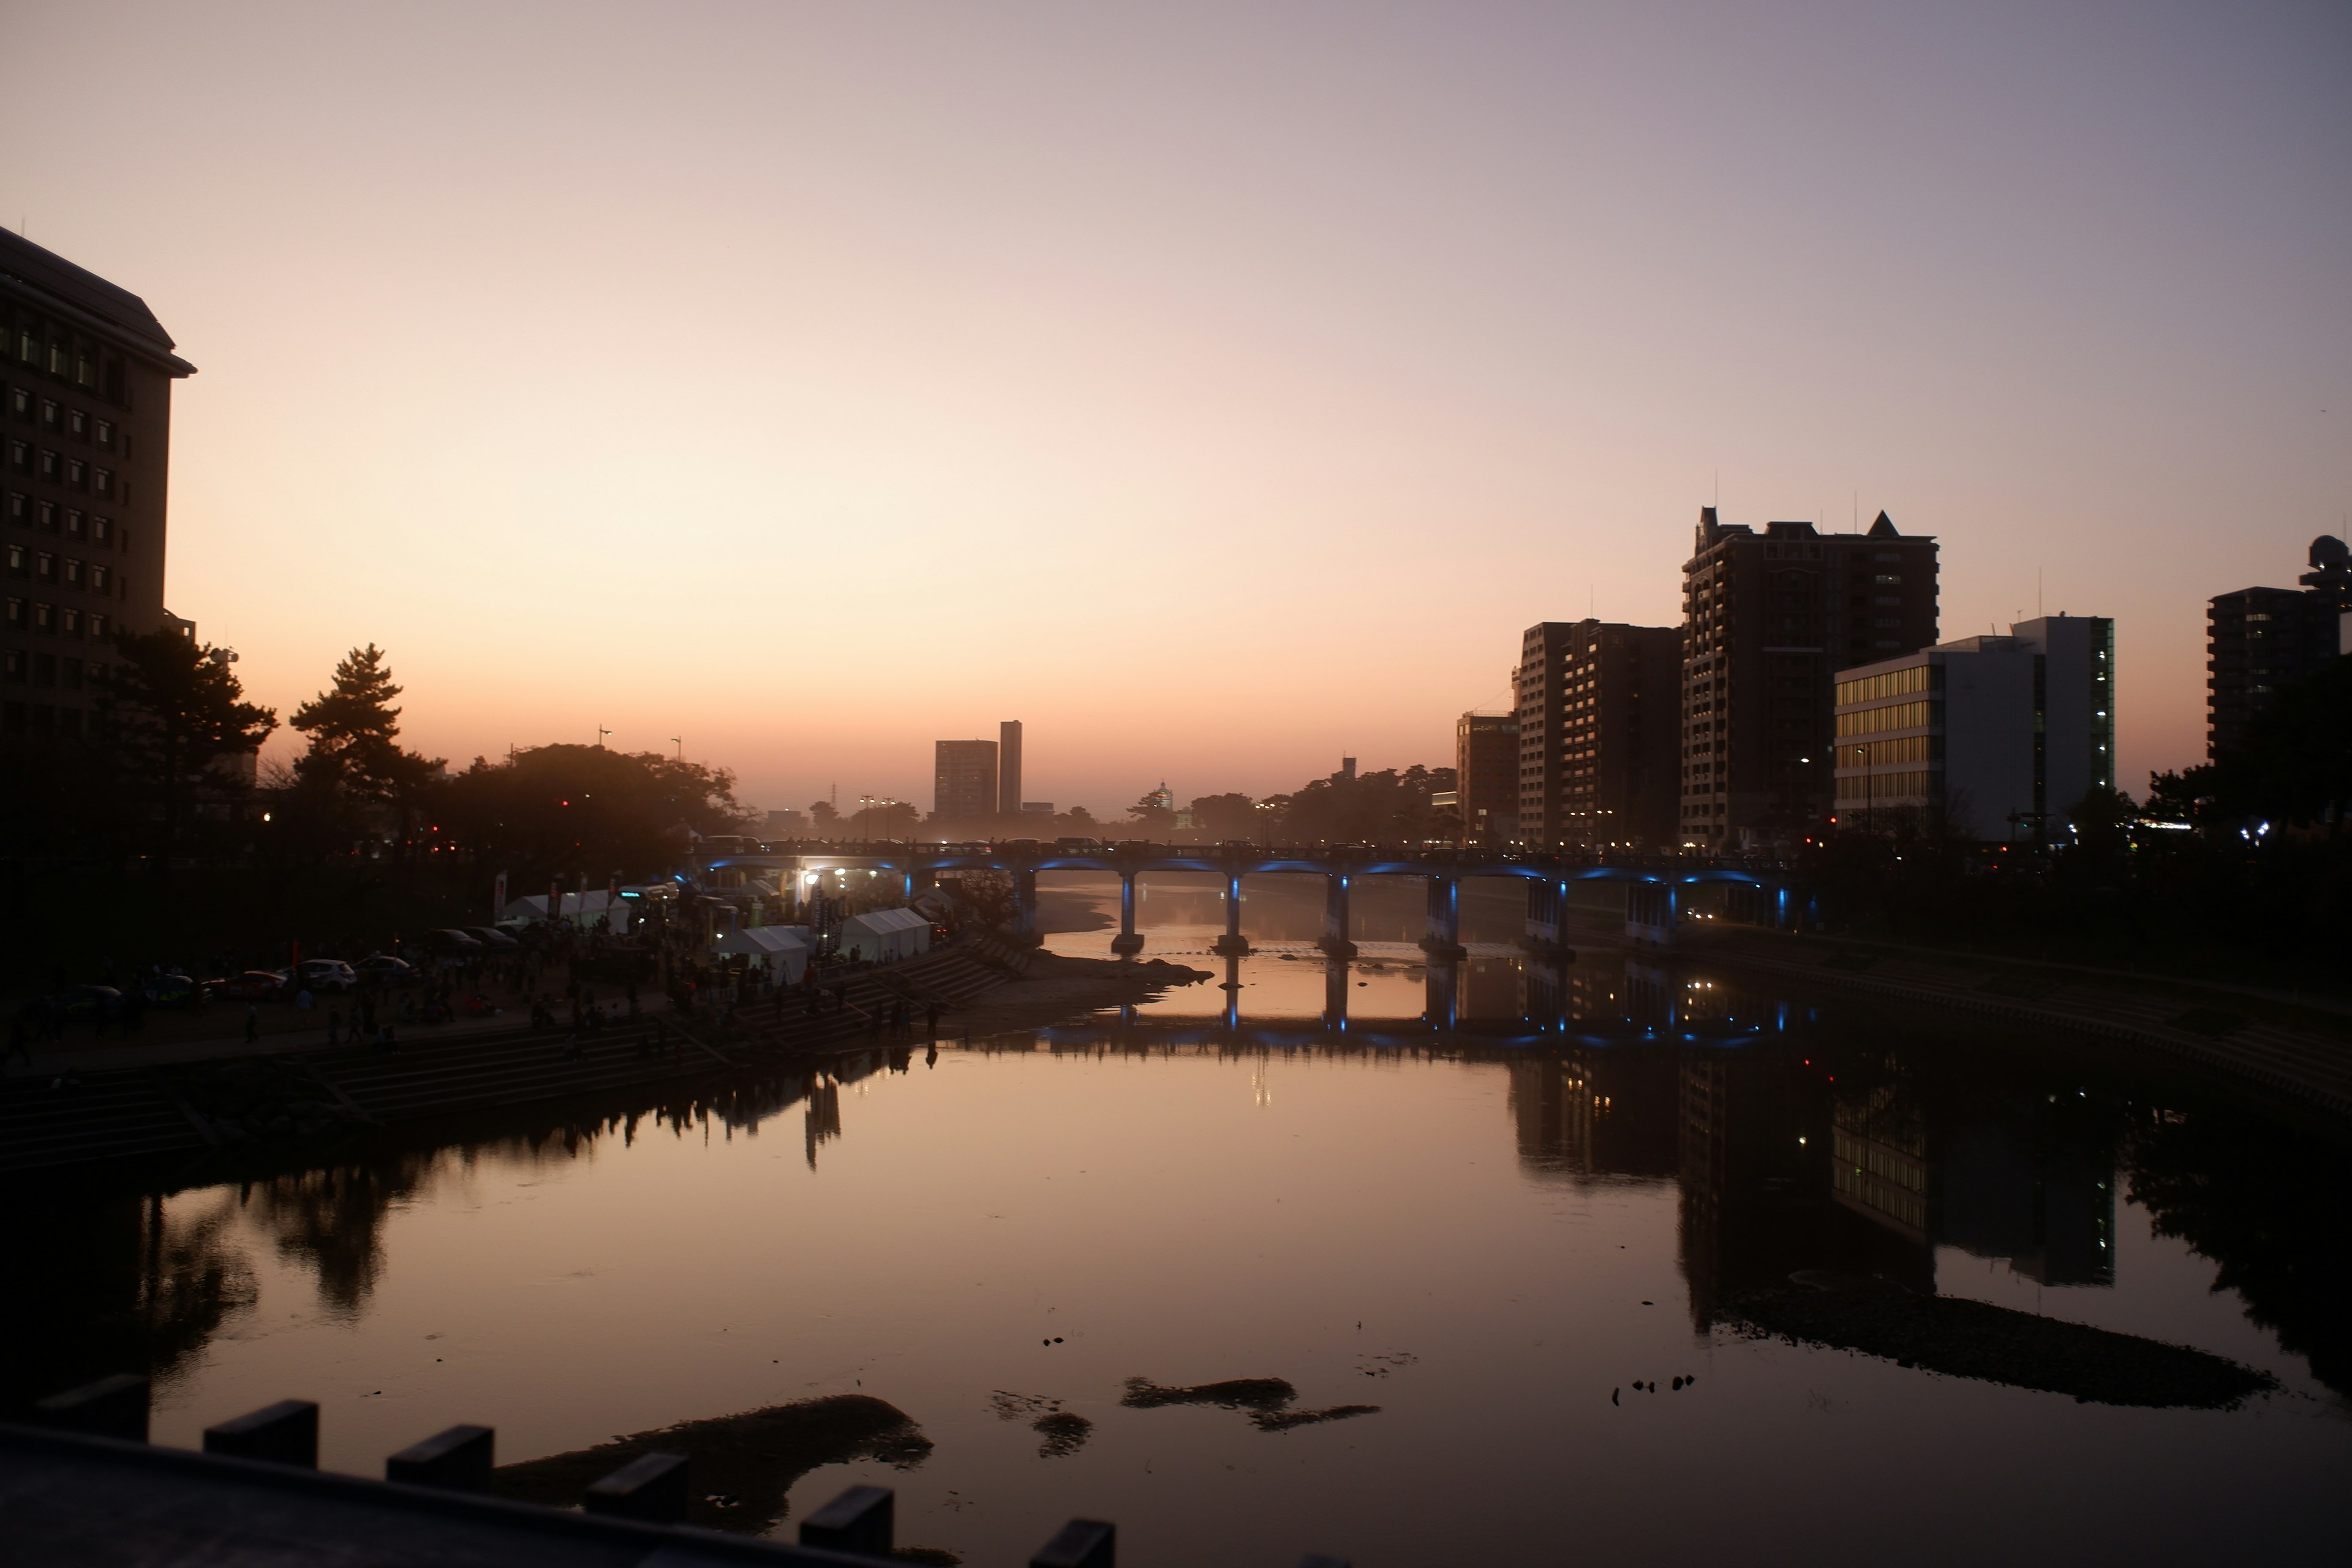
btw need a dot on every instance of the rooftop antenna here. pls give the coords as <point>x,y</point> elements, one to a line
<point>1857,511</point>
<point>2037,593</point>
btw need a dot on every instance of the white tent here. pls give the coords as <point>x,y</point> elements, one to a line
<point>773,948</point>
<point>575,909</point>
<point>881,935</point>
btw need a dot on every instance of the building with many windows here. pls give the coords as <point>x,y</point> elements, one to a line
<point>1487,776</point>
<point>1767,619</point>
<point>85,375</point>
<point>1599,736</point>
<point>1539,683</point>
<point>1991,738</point>
<point>963,780</point>
<point>2259,639</point>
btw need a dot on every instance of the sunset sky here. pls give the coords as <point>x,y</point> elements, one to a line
<point>1217,388</point>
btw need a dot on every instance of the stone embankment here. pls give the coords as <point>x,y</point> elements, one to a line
<point>82,1113</point>
<point>2302,1049</point>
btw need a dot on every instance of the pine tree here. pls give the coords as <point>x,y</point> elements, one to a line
<point>173,709</point>
<point>354,730</point>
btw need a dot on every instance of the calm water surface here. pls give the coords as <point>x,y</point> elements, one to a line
<point>1485,1238</point>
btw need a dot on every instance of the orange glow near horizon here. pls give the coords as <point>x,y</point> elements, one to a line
<point>1220,393</point>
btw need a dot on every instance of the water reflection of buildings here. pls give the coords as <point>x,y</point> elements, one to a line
<point>1587,1114</point>
<point>1785,1164</point>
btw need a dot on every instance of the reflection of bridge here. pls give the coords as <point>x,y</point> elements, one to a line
<point>1661,1008</point>
<point>1654,886</point>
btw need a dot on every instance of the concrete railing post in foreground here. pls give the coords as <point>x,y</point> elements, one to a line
<point>1081,1544</point>
<point>286,1433</point>
<point>860,1520</point>
<point>111,1407</point>
<point>457,1460</point>
<point>650,1489</point>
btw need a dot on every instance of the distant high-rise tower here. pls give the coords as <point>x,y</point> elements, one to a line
<point>2259,639</point>
<point>963,782</point>
<point>1008,766</point>
<point>1767,620</point>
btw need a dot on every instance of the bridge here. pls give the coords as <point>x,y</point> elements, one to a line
<point>1656,886</point>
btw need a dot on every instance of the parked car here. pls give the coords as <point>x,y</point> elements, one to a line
<point>386,970</point>
<point>492,938</point>
<point>452,943</point>
<point>85,1002</point>
<point>329,975</point>
<point>254,986</point>
<point>174,991</point>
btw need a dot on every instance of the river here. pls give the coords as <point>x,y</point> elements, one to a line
<point>1500,1237</point>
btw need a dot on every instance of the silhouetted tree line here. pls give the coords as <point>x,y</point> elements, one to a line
<point>1385,807</point>
<point>165,774</point>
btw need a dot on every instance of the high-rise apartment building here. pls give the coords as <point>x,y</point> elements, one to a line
<point>1599,733</point>
<point>1008,766</point>
<point>1486,775</point>
<point>2259,639</point>
<point>85,375</point>
<point>963,780</point>
<point>1991,738</point>
<point>1540,683</point>
<point>1767,620</point>
<point>1620,735</point>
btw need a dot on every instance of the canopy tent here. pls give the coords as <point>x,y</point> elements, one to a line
<point>772,948</point>
<point>882,935</point>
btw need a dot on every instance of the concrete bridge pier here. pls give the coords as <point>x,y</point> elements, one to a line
<point>1445,938</point>
<point>1126,943</point>
<point>1025,907</point>
<point>1230,944</point>
<point>1336,923</point>
<point>1233,992</point>
<point>1547,927</point>
<point>1653,910</point>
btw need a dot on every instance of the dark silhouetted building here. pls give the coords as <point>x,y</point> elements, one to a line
<point>2259,639</point>
<point>1008,766</point>
<point>1486,775</point>
<point>963,780</point>
<point>1767,620</point>
<point>85,375</point>
<point>1619,744</point>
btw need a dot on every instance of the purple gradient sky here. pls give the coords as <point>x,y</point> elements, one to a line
<point>1216,388</point>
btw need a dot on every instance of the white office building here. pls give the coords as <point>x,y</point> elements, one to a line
<point>1997,737</point>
